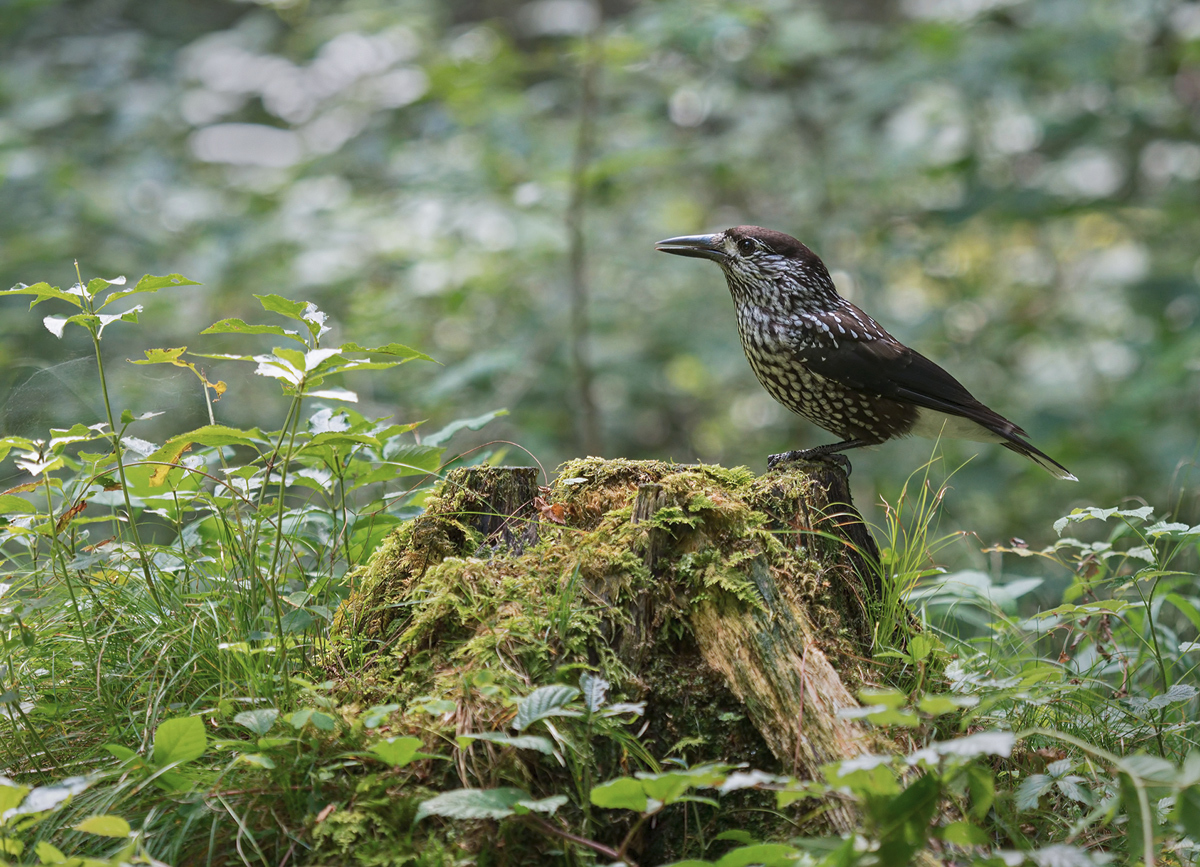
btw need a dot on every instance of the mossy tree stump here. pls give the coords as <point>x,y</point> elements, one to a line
<point>734,605</point>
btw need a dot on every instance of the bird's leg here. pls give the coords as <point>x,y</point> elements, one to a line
<point>831,452</point>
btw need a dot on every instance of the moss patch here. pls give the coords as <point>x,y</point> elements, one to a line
<point>600,591</point>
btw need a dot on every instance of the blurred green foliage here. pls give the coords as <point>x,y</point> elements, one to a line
<point>1009,186</point>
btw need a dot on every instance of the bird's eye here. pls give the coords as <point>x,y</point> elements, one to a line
<point>746,246</point>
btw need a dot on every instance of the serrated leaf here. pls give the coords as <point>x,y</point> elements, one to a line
<point>473,804</point>
<point>105,826</point>
<point>546,701</point>
<point>179,740</point>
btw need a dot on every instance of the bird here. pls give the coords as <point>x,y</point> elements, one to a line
<point>825,359</point>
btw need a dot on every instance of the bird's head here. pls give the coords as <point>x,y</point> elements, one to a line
<point>759,261</point>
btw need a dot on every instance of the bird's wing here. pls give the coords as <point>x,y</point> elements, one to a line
<point>890,369</point>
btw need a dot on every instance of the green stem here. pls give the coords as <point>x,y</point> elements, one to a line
<point>143,555</point>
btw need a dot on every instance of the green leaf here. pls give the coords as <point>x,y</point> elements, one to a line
<point>440,437</point>
<point>397,752</point>
<point>1186,813</point>
<point>1137,834</point>
<point>283,306</point>
<point>473,804</point>
<point>397,349</point>
<point>237,326</point>
<point>11,794</point>
<point>766,854</point>
<point>105,826</point>
<point>623,793</point>
<point>904,820</point>
<point>738,836</point>
<point>43,292</point>
<point>179,740</point>
<point>543,805</point>
<point>258,721</point>
<point>258,760</point>
<point>594,689</point>
<point>46,853</point>
<point>521,742</point>
<point>149,283</point>
<point>415,459</point>
<point>546,701</point>
<point>12,504</point>
<point>120,752</point>
<point>982,786</point>
<point>963,834</point>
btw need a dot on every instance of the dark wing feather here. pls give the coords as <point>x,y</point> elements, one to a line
<point>890,369</point>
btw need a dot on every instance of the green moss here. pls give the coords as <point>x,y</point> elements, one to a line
<point>597,592</point>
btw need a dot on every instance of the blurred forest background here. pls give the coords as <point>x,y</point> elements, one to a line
<point>1010,187</point>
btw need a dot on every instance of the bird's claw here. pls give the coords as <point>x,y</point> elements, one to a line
<point>836,458</point>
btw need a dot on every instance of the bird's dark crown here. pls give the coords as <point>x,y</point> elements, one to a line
<point>777,242</point>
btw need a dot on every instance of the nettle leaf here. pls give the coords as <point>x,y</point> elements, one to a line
<point>237,326</point>
<point>180,740</point>
<point>473,804</point>
<point>43,292</point>
<point>546,701</point>
<point>148,283</point>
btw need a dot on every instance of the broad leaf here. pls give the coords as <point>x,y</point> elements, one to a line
<point>258,721</point>
<point>397,752</point>
<point>546,701</point>
<point>473,804</point>
<point>105,826</point>
<point>179,740</point>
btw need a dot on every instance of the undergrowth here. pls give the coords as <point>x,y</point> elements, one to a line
<point>166,608</point>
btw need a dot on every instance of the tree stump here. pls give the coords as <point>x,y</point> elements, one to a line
<point>734,605</point>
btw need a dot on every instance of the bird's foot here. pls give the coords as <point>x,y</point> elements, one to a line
<point>816,454</point>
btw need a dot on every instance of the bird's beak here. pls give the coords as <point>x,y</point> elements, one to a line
<point>696,246</point>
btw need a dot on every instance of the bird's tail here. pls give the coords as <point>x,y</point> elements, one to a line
<point>1040,458</point>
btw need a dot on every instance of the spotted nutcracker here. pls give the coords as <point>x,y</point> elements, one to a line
<point>822,357</point>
